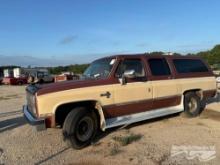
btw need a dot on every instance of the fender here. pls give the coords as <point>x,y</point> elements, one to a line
<point>97,107</point>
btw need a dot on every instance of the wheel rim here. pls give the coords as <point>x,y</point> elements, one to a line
<point>192,105</point>
<point>85,129</point>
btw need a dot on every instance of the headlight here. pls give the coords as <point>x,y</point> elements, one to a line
<point>34,105</point>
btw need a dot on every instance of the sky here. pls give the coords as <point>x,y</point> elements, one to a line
<point>60,32</point>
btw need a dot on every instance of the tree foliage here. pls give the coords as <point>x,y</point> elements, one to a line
<point>76,69</point>
<point>211,56</point>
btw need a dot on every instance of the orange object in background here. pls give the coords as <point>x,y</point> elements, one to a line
<point>65,77</point>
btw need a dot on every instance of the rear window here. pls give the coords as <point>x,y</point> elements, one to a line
<point>189,66</point>
<point>159,67</point>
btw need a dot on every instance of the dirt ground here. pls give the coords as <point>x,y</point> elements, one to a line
<point>20,144</point>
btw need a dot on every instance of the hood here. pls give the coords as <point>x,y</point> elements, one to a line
<point>73,84</point>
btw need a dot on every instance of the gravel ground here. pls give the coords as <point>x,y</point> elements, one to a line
<point>20,144</point>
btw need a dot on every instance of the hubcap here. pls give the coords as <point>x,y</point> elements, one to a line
<point>192,105</point>
<point>85,129</point>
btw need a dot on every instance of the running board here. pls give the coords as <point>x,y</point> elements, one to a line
<point>129,119</point>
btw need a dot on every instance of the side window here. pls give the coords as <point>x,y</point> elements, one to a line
<point>189,66</point>
<point>159,67</point>
<point>40,74</point>
<point>131,64</point>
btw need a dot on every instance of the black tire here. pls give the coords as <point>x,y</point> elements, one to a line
<point>80,127</point>
<point>192,104</point>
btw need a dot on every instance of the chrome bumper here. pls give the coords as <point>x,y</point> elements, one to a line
<point>39,124</point>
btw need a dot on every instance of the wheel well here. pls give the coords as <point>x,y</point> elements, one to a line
<point>63,110</point>
<point>197,91</point>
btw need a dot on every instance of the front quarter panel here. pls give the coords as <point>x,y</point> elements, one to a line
<point>48,103</point>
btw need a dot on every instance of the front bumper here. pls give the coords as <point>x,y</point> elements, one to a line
<point>39,124</point>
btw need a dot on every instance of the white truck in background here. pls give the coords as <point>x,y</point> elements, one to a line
<point>40,76</point>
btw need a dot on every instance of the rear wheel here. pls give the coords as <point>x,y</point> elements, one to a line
<point>80,127</point>
<point>192,104</point>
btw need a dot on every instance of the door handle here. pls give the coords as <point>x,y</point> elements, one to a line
<point>106,94</point>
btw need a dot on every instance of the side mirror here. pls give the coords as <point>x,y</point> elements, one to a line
<point>127,74</point>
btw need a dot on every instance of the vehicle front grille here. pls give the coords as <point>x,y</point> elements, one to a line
<point>31,98</point>
<point>31,102</point>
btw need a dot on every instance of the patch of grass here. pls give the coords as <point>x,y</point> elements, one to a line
<point>8,97</point>
<point>15,95</point>
<point>202,124</point>
<point>115,150</point>
<point>125,140</point>
<point>4,98</point>
<point>87,162</point>
<point>163,158</point>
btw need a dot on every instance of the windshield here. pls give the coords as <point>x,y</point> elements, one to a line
<point>100,68</point>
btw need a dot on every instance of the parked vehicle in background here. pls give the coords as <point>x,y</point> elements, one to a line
<point>14,80</point>
<point>13,76</point>
<point>216,72</point>
<point>1,79</point>
<point>40,77</point>
<point>19,76</point>
<point>66,76</point>
<point>1,75</point>
<point>218,82</point>
<point>120,90</point>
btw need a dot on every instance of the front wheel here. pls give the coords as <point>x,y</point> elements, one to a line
<point>80,127</point>
<point>192,104</point>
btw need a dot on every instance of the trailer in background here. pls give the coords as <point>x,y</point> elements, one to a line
<point>17,72</point>
<point>8,72</point>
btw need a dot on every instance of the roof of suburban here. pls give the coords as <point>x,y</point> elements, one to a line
<point>155,55</point>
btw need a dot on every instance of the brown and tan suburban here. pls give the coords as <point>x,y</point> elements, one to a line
<point>120,90</point>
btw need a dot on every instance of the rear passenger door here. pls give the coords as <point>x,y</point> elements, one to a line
<point>165,90</point>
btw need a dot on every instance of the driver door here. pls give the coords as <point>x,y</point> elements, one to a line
<point>136,94</point>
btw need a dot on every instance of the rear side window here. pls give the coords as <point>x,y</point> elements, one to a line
<point>159,67</point>
<point>189,65</point>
